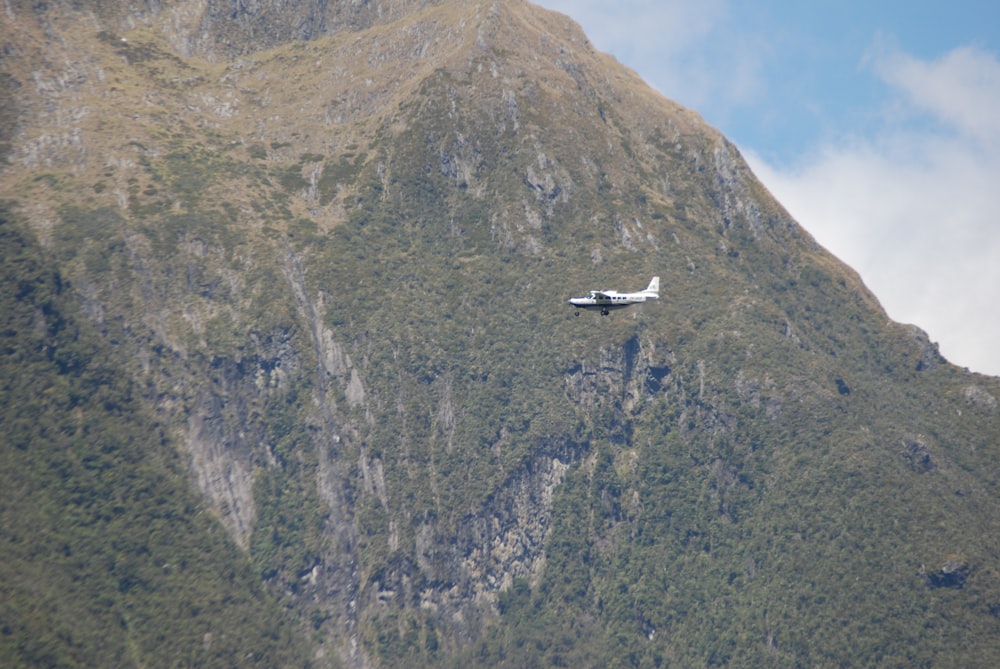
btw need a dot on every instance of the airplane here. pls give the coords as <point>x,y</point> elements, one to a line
<point>606,300</point>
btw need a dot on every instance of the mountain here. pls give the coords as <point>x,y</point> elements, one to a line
<point>108,556</point>
<point>286,305</point>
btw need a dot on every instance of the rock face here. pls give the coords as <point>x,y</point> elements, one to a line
<point>332,243</point>
<point>218,30</point>
<point>952,573</point>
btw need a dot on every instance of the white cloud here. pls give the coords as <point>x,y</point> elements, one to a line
<point>914,210</point>
<point>962,88</point>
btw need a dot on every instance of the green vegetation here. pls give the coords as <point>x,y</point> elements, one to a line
<point>292,379</point>
<point>287,534</point>
<point>8,112</point>
<point>108,557</point>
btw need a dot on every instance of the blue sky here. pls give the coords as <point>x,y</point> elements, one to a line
<point>876,124</point>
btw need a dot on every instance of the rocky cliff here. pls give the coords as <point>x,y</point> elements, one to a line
<point>331,245</point>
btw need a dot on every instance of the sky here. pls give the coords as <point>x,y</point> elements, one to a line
<point>876,125</point>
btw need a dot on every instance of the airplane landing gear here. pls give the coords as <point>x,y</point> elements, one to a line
<point>604,312</point>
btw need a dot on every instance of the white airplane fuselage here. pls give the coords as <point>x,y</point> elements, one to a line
<point>606,301</point>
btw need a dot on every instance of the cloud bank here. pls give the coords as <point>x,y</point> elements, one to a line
<point>913,208</point>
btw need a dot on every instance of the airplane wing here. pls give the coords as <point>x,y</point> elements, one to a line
<point>598,294</point>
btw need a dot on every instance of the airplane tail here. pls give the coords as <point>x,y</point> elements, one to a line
<point>654,287</point>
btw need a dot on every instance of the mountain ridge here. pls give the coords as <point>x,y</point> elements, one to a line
<point>337,271</point>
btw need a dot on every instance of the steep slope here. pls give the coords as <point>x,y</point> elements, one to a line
<point>337,269</point>
<point>107,558</point>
